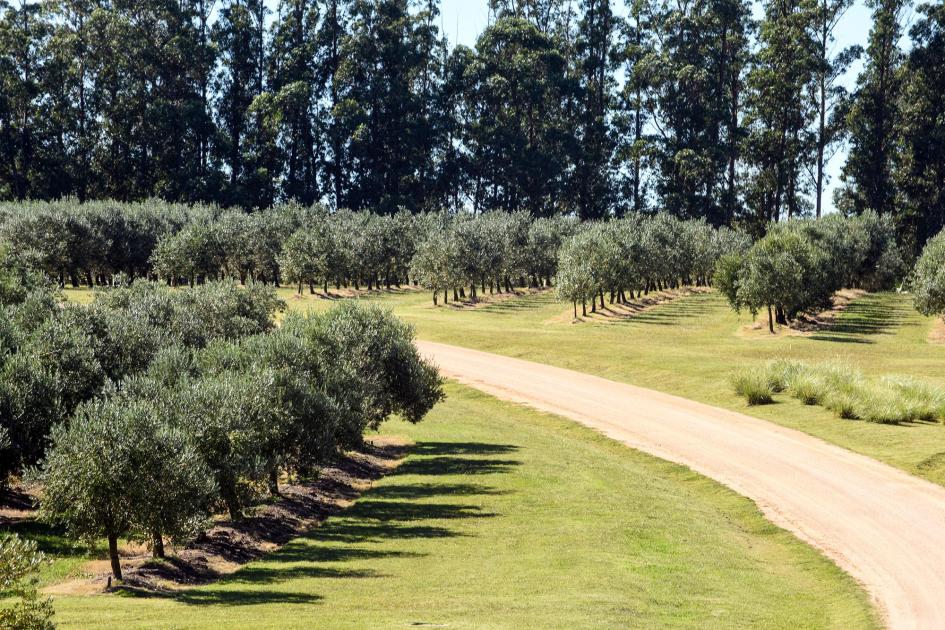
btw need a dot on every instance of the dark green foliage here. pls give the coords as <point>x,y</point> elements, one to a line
<point>155,406</point>
<point>700,110</point>
<point>875,114</point>
<point>920,169</point>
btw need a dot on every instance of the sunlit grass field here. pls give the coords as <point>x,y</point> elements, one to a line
<point>503,517</point>
<point>692,346</point>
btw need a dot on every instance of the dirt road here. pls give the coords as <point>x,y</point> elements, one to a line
<point>883,526</point>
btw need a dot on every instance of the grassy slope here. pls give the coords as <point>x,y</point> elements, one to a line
<point>691,347</point>
<point>506,518</point>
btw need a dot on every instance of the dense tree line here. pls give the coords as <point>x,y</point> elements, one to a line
<point>705,110</point>
<point>106,243</point>
<point>150,409</point>
<point>632,256</point>
<point>798,266</point>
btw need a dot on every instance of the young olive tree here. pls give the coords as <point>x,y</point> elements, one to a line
<point>576,280</point>
<point>19,564</point>
<point>928,280</point>
<point>435,265</point>
<point>115,470</point>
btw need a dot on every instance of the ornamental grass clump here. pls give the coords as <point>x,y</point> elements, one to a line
<point>754,386</point>
<point>781,373</point>
<point>845,391</point>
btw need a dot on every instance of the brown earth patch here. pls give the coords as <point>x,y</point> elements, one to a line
<point>612,313</point>
<point>228,545</point>
<point>806,324</point>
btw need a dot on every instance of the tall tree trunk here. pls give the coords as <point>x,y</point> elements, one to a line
<point>113,555</point>
<point>157,544</point>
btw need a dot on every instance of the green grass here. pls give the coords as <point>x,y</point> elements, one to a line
<point>692,347</point>
<point>503,517</point>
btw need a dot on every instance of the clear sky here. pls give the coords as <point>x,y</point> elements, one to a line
<point>463,20</point>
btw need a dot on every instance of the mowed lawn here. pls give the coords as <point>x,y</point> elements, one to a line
<point>692,346</point>
<point>503,517</point>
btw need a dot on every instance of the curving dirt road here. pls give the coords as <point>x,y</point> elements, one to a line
<point>883,526</point>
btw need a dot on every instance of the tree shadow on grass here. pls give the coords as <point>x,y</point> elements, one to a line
<point>206,596</point>
<point>462,448</point>
<point>426,490</point>
<point>863,318</point>
<point>398,511</point>
<point>451,465</point>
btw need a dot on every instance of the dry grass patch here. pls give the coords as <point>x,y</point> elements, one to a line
<point>937,333</point>
<point>845,391</point>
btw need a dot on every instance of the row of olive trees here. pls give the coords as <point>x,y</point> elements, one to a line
<point>155,455</point>
<point>101,242</point>
<point>89,243</point>
<point>799,265</point>
<point>149,409</point>
<point>494,251</point>
<point>56,356</point>
<point>639,254</point>
<point>928,280</point>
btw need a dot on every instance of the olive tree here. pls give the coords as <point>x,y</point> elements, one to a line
<point>928,280</point>
<point>116,470</point>
<point>435,265</point>
<point>576,280</point>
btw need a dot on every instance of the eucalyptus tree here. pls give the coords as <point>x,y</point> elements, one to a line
<point>697,75</point>
<point>831,99</point>
<point>778,114</point>
<point>920,168</point>
<point>388,73</point>
<point>875,114</point>
<point>239,35</point>
<point>636,104</point>
<point>291,75</point>
<point>595,62</point>
<point>519,133</point>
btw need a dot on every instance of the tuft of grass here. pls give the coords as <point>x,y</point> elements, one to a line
<point>807,388</point>
<point>754,386</point>
<point>926,402</point>
<point>781,372</point>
